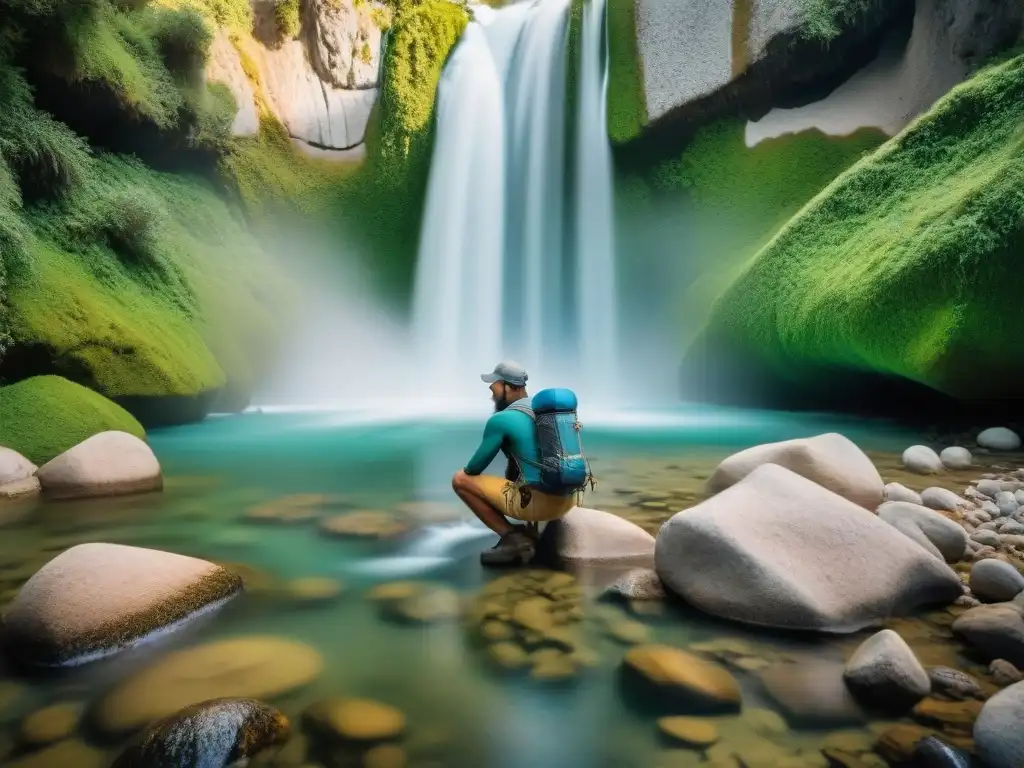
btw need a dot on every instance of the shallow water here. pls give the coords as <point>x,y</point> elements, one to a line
<point>459,710</point>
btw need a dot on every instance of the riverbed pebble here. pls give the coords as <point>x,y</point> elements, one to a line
<point>995,581</point>
<point>949,683</point>
<point>941,498</point>
<point>956,457</point>
<point>354,720</point>
<point>996,630</point>
<point>922,460</point>
<point>669,678</point>
<point>989,487</point>
<point>986,537</point>
<point>897,492</point>
<point>933,531</point>
<point>1004,673</point>
<point>884,669</point>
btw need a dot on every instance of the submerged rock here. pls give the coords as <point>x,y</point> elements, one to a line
<point>354,720</point>
<point>244,667</point>
<point>884,671</point>
<point>94,600</point>
<point>49,724</point>
<point>954,684</point>
<point>638,584</point>
<point>812,693</point>
<point>933,752</point>
<point>1004,673</point>
<point>935,533</point>
<point>107,464</point>
<point>779,550</point>
<point>210,734</point>
<point>998,735</point>
<point>662,677</point>
<point>830,460</point>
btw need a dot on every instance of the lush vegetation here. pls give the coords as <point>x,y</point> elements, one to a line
<point>627,106</point>
<point>905,264</point>
<point>46,415</point>
<point>825,19</point>
<point>718,202</point>
<point>128,280</point>
<point>287,14</point>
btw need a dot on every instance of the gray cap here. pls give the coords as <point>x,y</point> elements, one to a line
<point>506,371</point>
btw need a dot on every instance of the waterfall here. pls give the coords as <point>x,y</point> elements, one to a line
<point>497,274</point>
<point>595,215</point>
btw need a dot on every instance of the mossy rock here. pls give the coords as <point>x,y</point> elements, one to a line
<point>905,267</point>
<point>46,415</point>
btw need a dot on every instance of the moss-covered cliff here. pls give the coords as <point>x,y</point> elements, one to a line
<point>902,268</point>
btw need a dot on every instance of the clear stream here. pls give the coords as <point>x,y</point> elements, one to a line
<point>455,702</point>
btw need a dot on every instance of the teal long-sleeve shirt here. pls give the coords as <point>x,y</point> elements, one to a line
<point>512,432</point>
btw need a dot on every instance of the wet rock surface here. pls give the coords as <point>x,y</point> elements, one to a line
<point>213,733</point>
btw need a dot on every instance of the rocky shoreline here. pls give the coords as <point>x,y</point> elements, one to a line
<point>912,587</point>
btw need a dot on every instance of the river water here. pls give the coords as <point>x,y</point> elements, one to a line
<point>460,710</point>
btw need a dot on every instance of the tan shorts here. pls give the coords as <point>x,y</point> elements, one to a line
<point>505,497</point>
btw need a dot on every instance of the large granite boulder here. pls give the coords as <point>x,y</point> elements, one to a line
<point>107,464</point>
<point>779,550</point>
<point>95,600</point>
<point>212,733</point>
<point>591,537</point>
<point>17,475</point>
<point>831,460</point>
<point>701,60</point>
<point>998,735</point>
<point>935,533</point>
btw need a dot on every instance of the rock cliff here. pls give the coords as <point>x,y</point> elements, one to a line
<point>321,84</point>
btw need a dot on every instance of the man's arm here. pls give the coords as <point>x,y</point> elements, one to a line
<point>493,437</point>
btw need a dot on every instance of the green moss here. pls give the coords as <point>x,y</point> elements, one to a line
<point>907,264</point>
<point>716,204</point>
<point>286,12</point>
<point>196,311</point>
<point>826,19</point>
<point>233,14</point>
<point>627,107</point>
<point>46,415</point>
<point>422,35</point>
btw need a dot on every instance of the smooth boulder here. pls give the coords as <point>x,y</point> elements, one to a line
<point>956,457</point>
<point>935,533</point>
<point>994,581</point>
<point>830,460</point>
<point>591,537</point>
<point>884,670</point>
<point>779,550</point>
<point>17,475</point>
<point>96,599</point>
<point>897,492</point>
<point>922,460</point>
<point>999,439</point>
<point>107,464</point>
<point>941,498</point>
<point>211,733</point>
<point>996,630</point>
<point>998,731</point>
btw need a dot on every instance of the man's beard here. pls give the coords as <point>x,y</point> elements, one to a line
<point>501,402</point>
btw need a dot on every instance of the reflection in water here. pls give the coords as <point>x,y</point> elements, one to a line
<point>546,701</point>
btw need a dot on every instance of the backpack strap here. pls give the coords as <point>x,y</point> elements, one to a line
<point>522,408</point>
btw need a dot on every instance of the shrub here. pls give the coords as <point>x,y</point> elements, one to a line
<point>287,14</point>
<point>183,40</point>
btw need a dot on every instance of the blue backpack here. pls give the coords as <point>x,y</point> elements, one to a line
<point>562,465</point>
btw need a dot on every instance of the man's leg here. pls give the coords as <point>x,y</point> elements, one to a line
<point>474,498</point>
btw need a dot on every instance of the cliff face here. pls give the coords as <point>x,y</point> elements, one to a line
<point>702,61</point>
<point>320,82</point>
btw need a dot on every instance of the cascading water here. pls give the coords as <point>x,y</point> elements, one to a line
<point>498,273</point>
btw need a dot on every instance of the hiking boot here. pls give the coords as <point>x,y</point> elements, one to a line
<point>515,547</point>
